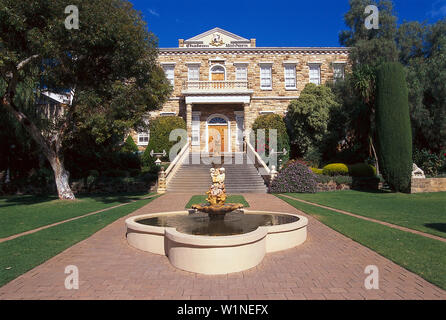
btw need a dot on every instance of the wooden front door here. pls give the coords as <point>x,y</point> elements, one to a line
<point>217,138</point>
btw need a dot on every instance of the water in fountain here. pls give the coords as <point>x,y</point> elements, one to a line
<point>217,218</point>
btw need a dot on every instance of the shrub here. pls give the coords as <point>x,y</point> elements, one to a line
<point>115,173</point>
<point>317,171</point>
<point>160,129</point>
<point>42,177</point>
<point>308,116</point>
<point>134,172</point>
<point>313,156</point>
<point>294,178</point>
<point>93,173</point>
<point>129,146</point>
<point>361,170</point>
<point>335,169</point>
<point>267,122</point>
<point>393,127</point>
<point>431,163</point>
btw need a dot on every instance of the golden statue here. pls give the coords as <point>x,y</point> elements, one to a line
<point>217,196</point>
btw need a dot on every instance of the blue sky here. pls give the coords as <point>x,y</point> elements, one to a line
<point>273,23</point>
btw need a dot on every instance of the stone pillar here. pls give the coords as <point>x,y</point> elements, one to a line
<point>245,122</point>
<point>189,119</point>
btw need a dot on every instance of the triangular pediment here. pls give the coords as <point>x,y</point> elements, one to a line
<point>216,38</point>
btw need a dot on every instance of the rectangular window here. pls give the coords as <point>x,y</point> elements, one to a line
<point>241,73</point>
<point>169,70</point>
<point>290,76</point>
<point>143,138</point>
<point>265,77</point>
<point>193,73</point>
<point>195,129</point>
<point>315,74</point>
<point>338,71</point>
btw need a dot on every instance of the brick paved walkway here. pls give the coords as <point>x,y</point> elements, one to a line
<point>327,266</point>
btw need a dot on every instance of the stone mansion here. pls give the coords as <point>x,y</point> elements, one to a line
<point>222,82</point>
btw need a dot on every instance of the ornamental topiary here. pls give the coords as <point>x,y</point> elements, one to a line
<point>393,127</point>
<point>317,171</point>
<point>335,169</point>
<point>294,178</point>
<point>160,129</point>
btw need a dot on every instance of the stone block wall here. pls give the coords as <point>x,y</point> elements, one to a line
<point>428,185</point>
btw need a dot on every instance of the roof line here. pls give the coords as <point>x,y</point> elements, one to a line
<point>187,49</point>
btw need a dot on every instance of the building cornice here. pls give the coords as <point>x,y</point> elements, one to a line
<point>256,50</point>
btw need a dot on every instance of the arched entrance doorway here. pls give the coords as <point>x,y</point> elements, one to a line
<point>217,134</point>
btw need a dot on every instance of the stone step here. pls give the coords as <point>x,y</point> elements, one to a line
<point>240,178</point>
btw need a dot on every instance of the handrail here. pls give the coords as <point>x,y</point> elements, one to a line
<point>173,167</point>
<point>260,165</point>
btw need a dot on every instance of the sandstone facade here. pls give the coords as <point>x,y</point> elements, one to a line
<point>239,101</point>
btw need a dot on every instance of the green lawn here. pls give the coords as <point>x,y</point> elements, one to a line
<point>26,252</point>
<point>22,213</point>
<point>423,256</point>
<point>422,211</point>
<point>233,198</point>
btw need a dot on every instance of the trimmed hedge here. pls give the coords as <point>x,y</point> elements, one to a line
<point>335,169</point>
<point>295,177</point>
<point>361,170</point>
<point>393,126</point>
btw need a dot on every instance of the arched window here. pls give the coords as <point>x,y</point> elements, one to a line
<point>217,73</point>
<point>217,120</point>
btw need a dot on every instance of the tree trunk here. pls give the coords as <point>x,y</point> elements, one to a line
<point>61,177</point>
<point>52,154</point>
<point>376,157</point>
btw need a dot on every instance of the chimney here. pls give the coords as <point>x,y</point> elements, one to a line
<point>253,43</point>
<point>180,43</point>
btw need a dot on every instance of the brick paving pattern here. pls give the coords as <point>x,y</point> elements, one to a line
<point>327,266</point>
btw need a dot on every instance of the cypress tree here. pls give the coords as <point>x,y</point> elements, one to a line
<point>393,127</point>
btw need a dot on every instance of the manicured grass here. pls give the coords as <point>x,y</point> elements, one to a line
<point>24,253</point>
<point>422,211</point>
<point>423,256</point>
<point>22,213</point>
<point>233,198</point>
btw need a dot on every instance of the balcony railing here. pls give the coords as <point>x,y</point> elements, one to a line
<point>215,85</point>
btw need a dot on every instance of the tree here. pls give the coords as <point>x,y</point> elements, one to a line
<point>129,145</point>
<point>269,122</point>
<point>108,66</point>
<point>423,52</point>
<point>369,49</point>
<point>307,117</point>
<point>160,129</point>
<point>393,127</point>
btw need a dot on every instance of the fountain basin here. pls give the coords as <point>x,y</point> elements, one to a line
<point>216,254</point>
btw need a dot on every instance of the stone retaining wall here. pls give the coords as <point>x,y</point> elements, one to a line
<point>428,185</point>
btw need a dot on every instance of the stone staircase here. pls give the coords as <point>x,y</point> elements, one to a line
<point>240,178</point>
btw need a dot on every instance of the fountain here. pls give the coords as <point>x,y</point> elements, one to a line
<point>218,237</point>
<point>217,208</point>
